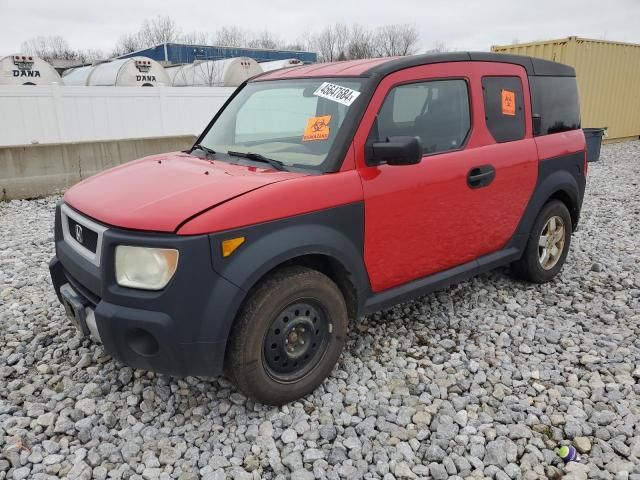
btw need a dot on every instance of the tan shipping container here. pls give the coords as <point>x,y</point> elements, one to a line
<point>608,76</point>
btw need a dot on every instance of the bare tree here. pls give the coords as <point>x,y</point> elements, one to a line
<point>91,55</point>
<point>301,44</point>
<point>397,40</point>
<point>323,44</point>
<point>230,37</point>
<point>341,42</point>
<point>439,47</point>
<point>264,39</point>
<point>129,42</point>
<point>159,30</point>
<point>35,46</point>
<point>342,36</point>
<point>295,46</point>
<point>49,48</point>
<point>331,43</point>
<point>154,31</point>
<point>56,48</point>
<point>195,38</point>
<point>335,42</point>
<point>361,43</point>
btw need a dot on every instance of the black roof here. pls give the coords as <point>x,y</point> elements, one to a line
<point>533,66</point>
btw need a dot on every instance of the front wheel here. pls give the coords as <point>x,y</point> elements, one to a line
<point>548,245</point>
<point>288,336</point>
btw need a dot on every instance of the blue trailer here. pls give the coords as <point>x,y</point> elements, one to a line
<point>176,53</point>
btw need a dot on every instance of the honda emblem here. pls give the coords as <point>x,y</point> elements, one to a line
<point>78,233</point>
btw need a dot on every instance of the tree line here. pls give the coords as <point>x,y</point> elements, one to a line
<point>335,42</point>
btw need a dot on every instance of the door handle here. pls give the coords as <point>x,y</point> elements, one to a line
<point>481,176</point>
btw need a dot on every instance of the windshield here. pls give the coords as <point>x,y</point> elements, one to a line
<point>294,122</point>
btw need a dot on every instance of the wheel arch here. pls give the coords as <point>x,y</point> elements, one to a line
<point>556,185</point>
<point>571,202</point>
<point>330,241</point>
<point>330,266</point>
<point>335,250</point>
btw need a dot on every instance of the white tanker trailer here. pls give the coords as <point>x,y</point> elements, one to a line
<point>27,70</point>
<point>276,64</point>
<point>229,72</point>
<point>124,72</point>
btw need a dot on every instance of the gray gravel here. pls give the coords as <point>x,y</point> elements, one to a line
<point>482,380</point>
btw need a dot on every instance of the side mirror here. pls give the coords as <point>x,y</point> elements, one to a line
<point>396,151</point>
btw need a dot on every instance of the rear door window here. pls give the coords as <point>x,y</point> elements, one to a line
<point>504,108</point>
<point>435,111</point>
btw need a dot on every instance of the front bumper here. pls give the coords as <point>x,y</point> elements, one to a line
<point>180,330</point>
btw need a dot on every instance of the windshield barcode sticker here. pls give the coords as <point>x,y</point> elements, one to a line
<point>339,94</point>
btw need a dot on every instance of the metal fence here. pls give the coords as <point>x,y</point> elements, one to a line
<point>59,114</point>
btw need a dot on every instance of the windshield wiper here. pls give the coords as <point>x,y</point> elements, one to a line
<point>206,150</point>
<point>277,164</point>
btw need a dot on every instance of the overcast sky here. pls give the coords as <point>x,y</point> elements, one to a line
<point>460,24</point>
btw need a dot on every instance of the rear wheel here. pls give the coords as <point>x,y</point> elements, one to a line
<point>288,336</point>
<point>548,244</point>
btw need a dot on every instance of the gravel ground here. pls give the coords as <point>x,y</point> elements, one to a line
<point>482,380</point>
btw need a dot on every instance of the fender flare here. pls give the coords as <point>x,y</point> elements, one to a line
<point>336,233</point>
<point>266,252</point>
<point>548,186</point>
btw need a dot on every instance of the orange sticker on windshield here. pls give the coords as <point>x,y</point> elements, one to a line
<point>317,129</point>
<point>508,102</point>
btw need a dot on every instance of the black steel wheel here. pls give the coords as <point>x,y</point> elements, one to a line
<point>288,336</point>
<point>296,340</point>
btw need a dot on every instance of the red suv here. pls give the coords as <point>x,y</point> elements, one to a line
<point>317,194</point>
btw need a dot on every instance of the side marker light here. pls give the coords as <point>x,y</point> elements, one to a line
<point>231,245</point>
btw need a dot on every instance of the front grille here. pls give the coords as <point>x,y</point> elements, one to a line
<point>83,235</point>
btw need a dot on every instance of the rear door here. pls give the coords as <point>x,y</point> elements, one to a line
<point>466,196</point>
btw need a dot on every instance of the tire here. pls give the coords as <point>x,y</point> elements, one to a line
<point>532,265</point>
<point>293,308</point>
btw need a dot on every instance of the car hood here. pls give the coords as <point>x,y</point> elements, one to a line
<point>160,192</point>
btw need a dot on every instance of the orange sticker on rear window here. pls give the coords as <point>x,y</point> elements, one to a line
<point>508,102</point>
<point>317,129</point>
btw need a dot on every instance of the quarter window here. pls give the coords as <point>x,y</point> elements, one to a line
<point>504,108</point>
<point>555,101</point>
<point>436,111</point>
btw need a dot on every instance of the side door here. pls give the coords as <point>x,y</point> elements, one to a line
<point>465,198</point>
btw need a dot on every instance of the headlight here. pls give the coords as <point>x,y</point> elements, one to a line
<point>145,268</point>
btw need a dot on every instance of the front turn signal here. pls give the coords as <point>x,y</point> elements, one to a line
<point>231,245</point>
